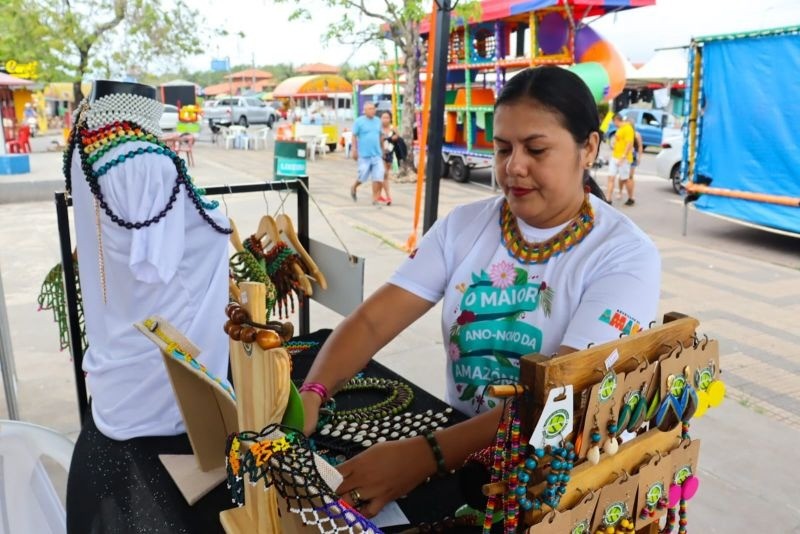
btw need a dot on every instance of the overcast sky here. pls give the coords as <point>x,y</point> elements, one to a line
<point>270,38</point>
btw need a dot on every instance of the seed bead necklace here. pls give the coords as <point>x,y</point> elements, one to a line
<point>527,252</point>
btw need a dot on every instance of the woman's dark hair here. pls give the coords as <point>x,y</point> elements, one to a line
<point>563,92</point>
<point>385,112</point>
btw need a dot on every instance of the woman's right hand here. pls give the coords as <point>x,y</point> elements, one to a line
<point>311,405</point>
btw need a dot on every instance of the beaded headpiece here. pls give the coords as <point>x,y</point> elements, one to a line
<point>118,107</point>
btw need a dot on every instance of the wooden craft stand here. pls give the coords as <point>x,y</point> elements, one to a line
<point>208,412</point>
<point>539,374</point>
<point>261,378</point>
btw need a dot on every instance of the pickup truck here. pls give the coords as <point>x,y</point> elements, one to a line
<point>653,125</point>
<point>240,110</point>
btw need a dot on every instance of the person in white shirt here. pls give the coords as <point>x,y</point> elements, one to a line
<point>547,267</point>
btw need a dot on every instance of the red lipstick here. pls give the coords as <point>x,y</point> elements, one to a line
<point>520,191</point>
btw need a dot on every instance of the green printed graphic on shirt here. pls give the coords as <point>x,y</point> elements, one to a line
<point>490,333</point>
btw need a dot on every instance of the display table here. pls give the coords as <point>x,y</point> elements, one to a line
<point>430,502</point>
<point>152,500</point>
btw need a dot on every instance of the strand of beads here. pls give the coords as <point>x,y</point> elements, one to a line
<point>241,328</point>
<point>399,396</point>
<point>497,470</point>
<point>562,460</point>
<point>88,141</point>
<point>511,500</point>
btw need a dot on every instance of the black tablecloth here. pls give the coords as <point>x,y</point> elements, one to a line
<point>121,487</point>
<point>428,503</point>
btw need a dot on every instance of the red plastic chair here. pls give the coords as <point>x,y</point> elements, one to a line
<point>22,144</point>
<point>184,144</point>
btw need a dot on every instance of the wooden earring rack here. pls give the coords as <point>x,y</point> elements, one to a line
<point>540,374</point>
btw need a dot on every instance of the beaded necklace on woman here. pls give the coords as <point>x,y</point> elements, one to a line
<point>527,252</point>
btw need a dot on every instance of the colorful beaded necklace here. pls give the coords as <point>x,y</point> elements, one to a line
<point>182,355</point>
<point>527,252</point>
<point>93,144</point>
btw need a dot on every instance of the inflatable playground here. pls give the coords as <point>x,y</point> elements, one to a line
<point>508,37</point>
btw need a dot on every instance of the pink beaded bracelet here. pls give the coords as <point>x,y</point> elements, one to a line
<point>315,387</point>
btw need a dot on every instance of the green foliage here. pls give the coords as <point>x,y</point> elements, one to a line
<point>72,39</point>
<point>374,70</point>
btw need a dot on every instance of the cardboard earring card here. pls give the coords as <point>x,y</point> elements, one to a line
<point>637,388</point>
<point>554,521</point>
<point>654,481</point>
<point>605,399</point>
<point>581,514</point>
<point>616,502</point>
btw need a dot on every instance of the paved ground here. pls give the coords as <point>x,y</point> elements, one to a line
<point>742,285</point>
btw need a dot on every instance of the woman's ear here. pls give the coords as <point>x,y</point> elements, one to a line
<point>590,149</point>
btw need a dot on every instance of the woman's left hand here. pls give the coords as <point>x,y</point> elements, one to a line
<point>385,472</point>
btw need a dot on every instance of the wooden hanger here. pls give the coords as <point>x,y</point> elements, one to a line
<point>285,225</point>
<point>268,228</point>
<point>236,239</point>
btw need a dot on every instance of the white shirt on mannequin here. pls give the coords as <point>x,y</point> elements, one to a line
<point>176,268</point>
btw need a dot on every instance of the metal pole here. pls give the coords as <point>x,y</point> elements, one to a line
<point>302,231</point>
<point>436,125</point>
<point>71,294</point>
<point>6,359</point>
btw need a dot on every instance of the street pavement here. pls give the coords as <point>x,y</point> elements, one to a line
<point>742,284</point>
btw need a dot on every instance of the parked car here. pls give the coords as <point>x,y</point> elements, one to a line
<point>653,125</point>
<point>240,110</point>
<point>169,118</point>
<point>668,161</point>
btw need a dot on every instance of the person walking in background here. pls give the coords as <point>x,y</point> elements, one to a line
<point>389,140</point>
<point>367,152</point>
<point>621,154</point>
<point>637,157</point>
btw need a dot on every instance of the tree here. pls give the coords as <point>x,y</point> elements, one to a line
<point>394,20</point>
<point>112,38</point>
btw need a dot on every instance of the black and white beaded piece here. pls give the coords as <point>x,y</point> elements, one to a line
<point>118,107</point>
<point>350,435</point>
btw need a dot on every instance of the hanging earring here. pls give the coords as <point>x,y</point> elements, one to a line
<point>638,411</point>
<point>611,446</point>
<point>594,451</point>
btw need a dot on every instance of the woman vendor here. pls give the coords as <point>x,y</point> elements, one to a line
<point>548,267</point>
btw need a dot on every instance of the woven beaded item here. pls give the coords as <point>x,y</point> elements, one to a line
<point>287,463</point>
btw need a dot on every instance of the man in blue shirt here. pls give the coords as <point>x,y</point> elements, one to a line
<point>367,152</point>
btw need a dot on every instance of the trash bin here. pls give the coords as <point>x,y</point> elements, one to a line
<point>290,160</point>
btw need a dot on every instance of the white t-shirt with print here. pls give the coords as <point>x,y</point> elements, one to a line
<point>497,309</point>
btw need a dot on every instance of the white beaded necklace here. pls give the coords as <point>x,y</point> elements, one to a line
<point>115,107</point>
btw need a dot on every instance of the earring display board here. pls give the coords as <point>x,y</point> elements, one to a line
<point>661,377</point>
<point>208,410</point>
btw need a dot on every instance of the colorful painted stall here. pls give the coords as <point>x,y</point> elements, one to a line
<point>508,37</point>
<point>740,154</point>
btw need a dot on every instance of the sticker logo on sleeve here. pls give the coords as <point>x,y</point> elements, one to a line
<point>621,321</point>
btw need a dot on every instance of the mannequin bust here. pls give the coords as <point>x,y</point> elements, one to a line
<point>101,88</point>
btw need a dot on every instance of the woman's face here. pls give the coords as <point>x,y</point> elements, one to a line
<point>386,120</point>
<point>537,163</point>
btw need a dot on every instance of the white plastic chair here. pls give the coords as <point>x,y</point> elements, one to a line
<point>348,143</point>
<point>260,137</point>
<point>28,500</point>
<point>234,132</point>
